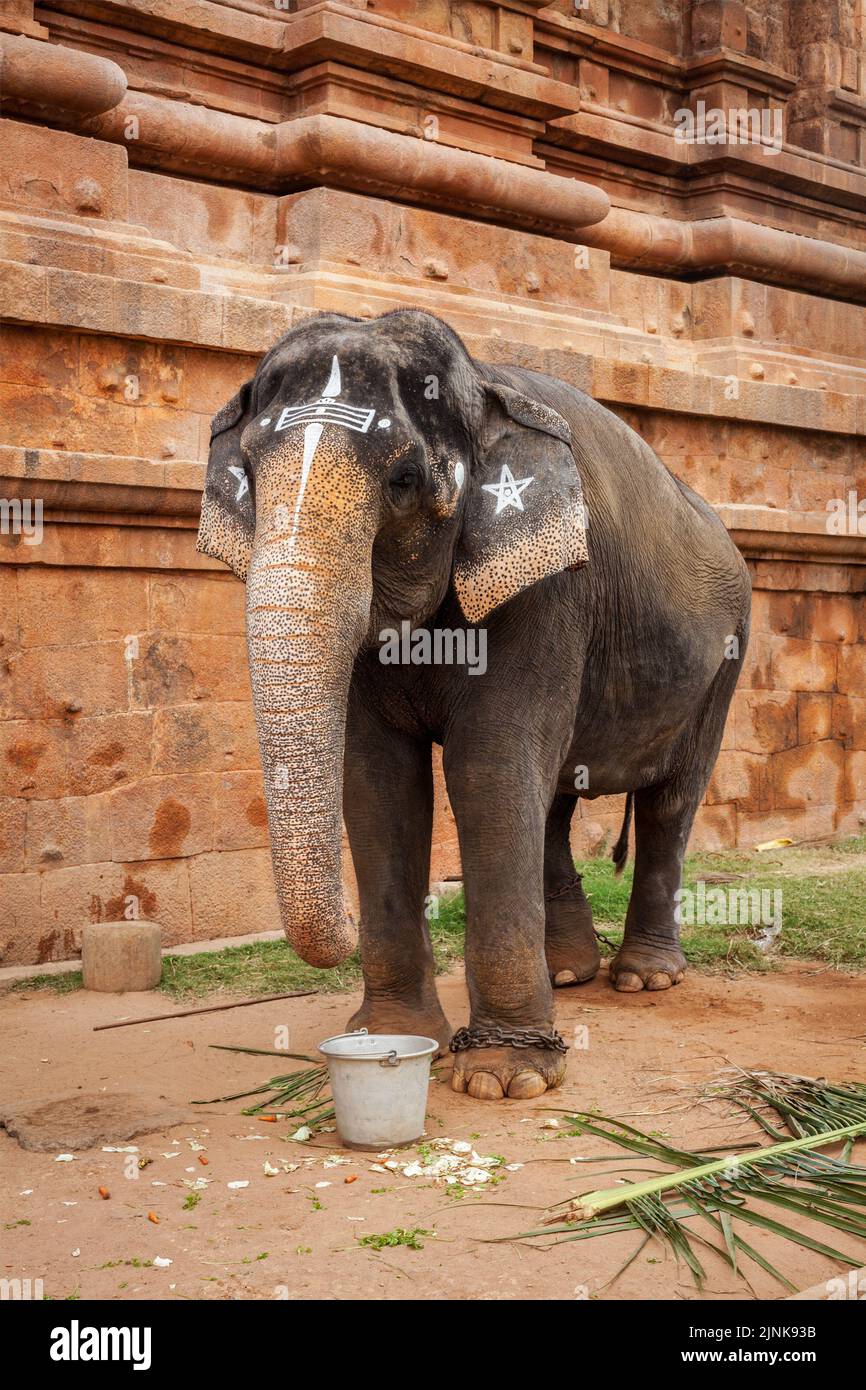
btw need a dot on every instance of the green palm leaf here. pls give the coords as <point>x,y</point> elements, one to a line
<point>792,1174</point>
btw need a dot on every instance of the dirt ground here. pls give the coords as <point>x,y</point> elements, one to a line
<point>285,1237</point>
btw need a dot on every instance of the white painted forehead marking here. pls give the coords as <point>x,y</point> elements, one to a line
<point>508,490</point>
<point>334,386</point>
<point>459,474</point>
<point>328,409</point>
<point>384,423</point>
<point>243,481</point>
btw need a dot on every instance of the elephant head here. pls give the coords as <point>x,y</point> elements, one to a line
<point>368,466</point>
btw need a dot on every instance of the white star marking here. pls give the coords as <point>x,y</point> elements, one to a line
<point>243,480</point>
<point>508,490</point>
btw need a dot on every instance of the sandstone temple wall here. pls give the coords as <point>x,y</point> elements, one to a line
<point>182,182</point>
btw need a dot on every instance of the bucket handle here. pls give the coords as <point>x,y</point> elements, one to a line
<point>392,1060</point>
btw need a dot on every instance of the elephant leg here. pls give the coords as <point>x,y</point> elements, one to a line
<point>650,956</point>
<point>500,819</point>
<point>570,943</point>
<point>388,809</point>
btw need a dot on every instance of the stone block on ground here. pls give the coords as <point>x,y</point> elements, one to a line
<point>121,956</point>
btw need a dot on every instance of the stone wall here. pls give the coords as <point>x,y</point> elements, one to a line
<point>181,184</point>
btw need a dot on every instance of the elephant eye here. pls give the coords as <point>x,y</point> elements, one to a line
<point>403,479</point>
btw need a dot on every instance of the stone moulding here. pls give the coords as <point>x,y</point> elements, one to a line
<point>642,240</point>
<point>323,149</point>
<point>46,74</point>
<point>327,149</point>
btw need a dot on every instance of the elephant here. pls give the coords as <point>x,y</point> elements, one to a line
<point>372,474</point>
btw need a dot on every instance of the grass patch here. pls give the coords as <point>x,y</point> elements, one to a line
<point>269,967</point>
<point>66,983</point>
<point>823,890</point>
<point>706,946</point>
<point>388,1240</point>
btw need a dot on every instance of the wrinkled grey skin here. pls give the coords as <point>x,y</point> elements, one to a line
<point>621,666</point>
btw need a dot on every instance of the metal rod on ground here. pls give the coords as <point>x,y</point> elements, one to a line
<point>208,1009</point>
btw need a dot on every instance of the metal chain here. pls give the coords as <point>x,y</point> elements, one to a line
<point>507,1037</point>
<point>561,892</point>
<point>600,936</point>
<point>520,1037</point>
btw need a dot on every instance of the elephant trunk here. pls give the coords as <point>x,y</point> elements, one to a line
<point>308,606</point>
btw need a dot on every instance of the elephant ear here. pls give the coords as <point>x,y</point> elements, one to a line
<point>524,516</point>
<point>228,515</point>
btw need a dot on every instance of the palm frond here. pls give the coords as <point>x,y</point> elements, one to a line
<point>745,1187</point>
<point>297,1095</point>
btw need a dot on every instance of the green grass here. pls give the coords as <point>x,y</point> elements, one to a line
<point>823,891</point>
<point>389,1239</point>
<point>66,983</point>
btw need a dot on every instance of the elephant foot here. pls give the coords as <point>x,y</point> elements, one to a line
<point>570,944</point>
<point>392,1016</point>
<point>572,959</point>
<point>636,966</point>
<point>492,1073</point>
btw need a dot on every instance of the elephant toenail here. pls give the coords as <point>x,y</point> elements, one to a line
<point>563,977</point>
<point>526,1085</point>
<point>660,980</point>
<point>483,1086</point>
<point>628,983</point>
<point>458,1082</point>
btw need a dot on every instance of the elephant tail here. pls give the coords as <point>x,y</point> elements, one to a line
<point>619,854</point>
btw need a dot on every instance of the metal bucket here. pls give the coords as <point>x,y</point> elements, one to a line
<point>379,1083</point>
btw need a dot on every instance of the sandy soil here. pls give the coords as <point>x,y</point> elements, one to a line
<point>645,1054</point>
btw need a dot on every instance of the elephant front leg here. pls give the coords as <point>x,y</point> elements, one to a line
<point>388,809</point>
<point>511,1029</point>
<point>650,956</point>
